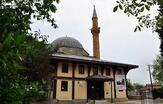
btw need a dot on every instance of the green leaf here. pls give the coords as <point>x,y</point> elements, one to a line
<point>125,11</point>
<point>117,1</point>
<point>115,8</point>
<point>57,1</point>
<point>53,8</point>
<point>140,5</point>
<point>149,3</point>
<point>139,28</point>
<point>120,6</point>
<point>147,7</point>
<point>141,25</point>
<point>19,39</point>
<point>135,29</point>
<point>142,9</point>
<point>8,39</point>
<point>38,5</point>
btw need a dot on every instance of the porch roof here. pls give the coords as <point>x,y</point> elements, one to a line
<point>91,60</point>
<point>99,78</point>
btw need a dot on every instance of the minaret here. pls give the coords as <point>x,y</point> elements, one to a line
<point>95,34</point>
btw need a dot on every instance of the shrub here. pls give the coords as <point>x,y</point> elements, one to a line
<point>158,93</point>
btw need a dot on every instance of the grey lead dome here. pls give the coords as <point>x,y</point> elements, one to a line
<point>66,42</point>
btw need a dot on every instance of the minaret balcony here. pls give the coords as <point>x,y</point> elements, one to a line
<point>95,30</point>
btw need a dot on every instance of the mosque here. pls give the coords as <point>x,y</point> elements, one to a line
<point>78,76</point>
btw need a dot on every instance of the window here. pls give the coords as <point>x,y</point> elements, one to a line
<point>119,71</point>
<point>64,68</point>
<point>64,86</point>
<point>95,70</point>
<point>81,69</point>
<point>108,71</point>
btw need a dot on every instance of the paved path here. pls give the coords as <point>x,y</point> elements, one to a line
<point>146,101</point>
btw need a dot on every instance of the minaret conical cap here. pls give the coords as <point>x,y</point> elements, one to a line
<point>94,12</point>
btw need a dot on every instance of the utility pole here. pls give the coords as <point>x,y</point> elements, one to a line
<point>150,75</point>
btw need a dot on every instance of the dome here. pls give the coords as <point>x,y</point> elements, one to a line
<point>66,42</point>
<point>68,46</point>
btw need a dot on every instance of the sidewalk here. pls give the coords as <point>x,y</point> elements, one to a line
<point>146,101</point>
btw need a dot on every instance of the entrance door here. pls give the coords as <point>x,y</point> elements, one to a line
<point>95,90</point>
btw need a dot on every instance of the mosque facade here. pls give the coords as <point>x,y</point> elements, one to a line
<point>78,76</point>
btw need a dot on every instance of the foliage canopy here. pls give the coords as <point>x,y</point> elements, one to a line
<point>158,69</point>
<point>139,9</point>
<point>129,85</point>
<point>15,46</point>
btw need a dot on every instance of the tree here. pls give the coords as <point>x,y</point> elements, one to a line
<point>138,86</point>
<point>15,20</point>
<point>139,8</point>
<point>36,60</point>
<point>158,69</point>
<point>129,85</point>
<point>133,86</point>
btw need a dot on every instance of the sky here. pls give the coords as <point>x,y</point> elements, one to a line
<point>118,41</point>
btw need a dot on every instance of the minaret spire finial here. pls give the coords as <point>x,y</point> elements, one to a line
<point>94,11</point>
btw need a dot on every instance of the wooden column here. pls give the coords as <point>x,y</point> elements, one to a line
<point>54,81</point>
<point>89,69</point>
<point>111,93</point>
<point>73,80</point>
<point>114,70</point>
<point>102,70</point>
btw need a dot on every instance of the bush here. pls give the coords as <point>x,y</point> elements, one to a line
<point>158,93</point>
